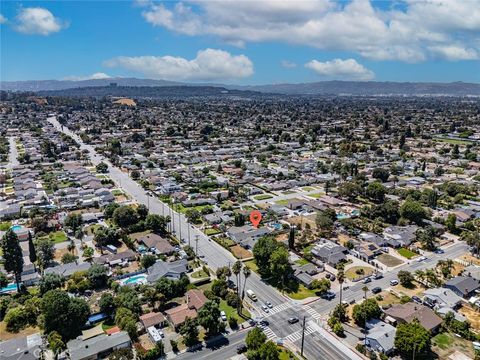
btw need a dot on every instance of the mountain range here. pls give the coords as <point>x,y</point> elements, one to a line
<point>370,88</point>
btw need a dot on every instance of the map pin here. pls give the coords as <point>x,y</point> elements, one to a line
<point>255,217</point>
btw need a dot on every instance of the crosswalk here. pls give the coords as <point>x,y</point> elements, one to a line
<point>269,332</point>
<point>309,329</point>
<point>313,313</point>
<point>277,309</point>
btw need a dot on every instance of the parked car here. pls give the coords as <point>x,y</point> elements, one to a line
<point>241,348</point>
<point>292,320</point>
<point>416,299</point>
<point>327,276</point>
<point>378,275</point>
<point>376,290</point>
<point>329,295</point>
<point>394,282</point>
<point>367,280</point>
<point>223,316</point>
<point>332,278</point>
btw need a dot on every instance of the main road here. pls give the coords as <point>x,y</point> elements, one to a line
<point>215,255</point>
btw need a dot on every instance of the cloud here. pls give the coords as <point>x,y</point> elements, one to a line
<point>409,33</point>
<point>209,64</point>
<point>3,19</point>
<point>288,64</point>
<point>95,76</point>
<point>348,69</point>
<point>455,53</point>
<point>38,21</point>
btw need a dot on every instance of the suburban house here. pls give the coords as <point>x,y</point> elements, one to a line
<point>157,244</point>
<point>304,273</point>
<point>21,348</point>
<point>441,298</point>
<point>330,253</point>
<point>380,336</point>
<point>405,313</point>
<point>171,270</point>
<point>400,236</point>
<point>97,347</point>
<point>153,318</point>
<point>246,235</point>
<point>195,299</point>
<point>67,270</point>
<point>463,286</point>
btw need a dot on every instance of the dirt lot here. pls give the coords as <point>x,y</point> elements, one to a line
<point>60,252</point>
<point>446,344</point>
<point>240,253</point>
<point>8,335</point>
<point>471,259</point>
<point>310,219</point>
<point>472,316</point>
<point>389,260</point>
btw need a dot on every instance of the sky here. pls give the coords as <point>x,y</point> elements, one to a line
<point>242,41</point>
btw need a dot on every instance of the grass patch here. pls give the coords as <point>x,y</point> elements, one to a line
<point>453,141</point>
<point>117,192</point>
<point>302,293</point>
<point>263,197</point>
<point>302,262</point>
<point>389,260</point>
<point>316,195</point>
<point>225,242</point>
<point>90,230</point>
<point>200,274</point>
<point>251,265</point>
<point>354,272</point>
<point>286,354</point>
<point>4,226</point>
<point>282,202</point>
<point>232,312</point>
<point>406,253</point>
<point>212,231</point>
<point>308,188</point>
<point>288,192</point>
<point>58,237</point>
<point>443,341</point>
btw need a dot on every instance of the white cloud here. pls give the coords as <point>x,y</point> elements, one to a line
<point>288,64</point>
<point>38,21</point>
<point>455,53</point>
<point>406,34</point>
<point>3,19</point>
<point>209,64</point>
<point>95,76</point>
<point>348,69</point>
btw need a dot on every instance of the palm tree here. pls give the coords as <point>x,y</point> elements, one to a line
<point>246,274</point>
<point>236,268</point>
<point>473,239</point>
<point>420,275</point>
<point>341,278</point>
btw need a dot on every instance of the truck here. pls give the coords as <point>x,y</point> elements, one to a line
<point>251,295</point>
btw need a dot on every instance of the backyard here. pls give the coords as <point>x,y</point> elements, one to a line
<point>445,344</point>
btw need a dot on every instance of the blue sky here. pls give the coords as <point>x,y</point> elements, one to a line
<point>243,42</point>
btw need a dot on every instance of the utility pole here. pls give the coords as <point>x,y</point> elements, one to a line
<point>180,225</point>
<point>365,289</point>
<point>188,227</point>
<point>303,336</point>
<point>172,217</point>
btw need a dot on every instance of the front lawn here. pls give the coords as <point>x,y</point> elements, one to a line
<point>282,202</point>
<point>263,197</point>
<point>316,195</point>
<point>302,262</point>
<point>200,274</point>
<point>302,293</point>
<point>212,231</point>
<point>232,312</point>
<point>406,253</point>
<point>251,265</point>
<point>358,272</point>
<point>286,354</point>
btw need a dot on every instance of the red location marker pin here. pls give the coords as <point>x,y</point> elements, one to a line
<point>255,217</point>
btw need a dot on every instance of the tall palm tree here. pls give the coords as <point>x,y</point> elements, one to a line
<point>246,274</point>
<point>236,268</point>
<point>341,278</point>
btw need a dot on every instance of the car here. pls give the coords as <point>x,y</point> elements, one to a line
<point>332,278</point>
<point>394,282</point>
<point>265,308</point>
<point>263,323</point>
<point>352,301</point>
<point>293,320</point>
<point>439,251</point>
<point>327,276</point>
<point>223,316</point>
<point>328,295</point>
<point>241,348</point>
<point>269,304</point>
<point>376,290</point>
<point>378,275</point>
<point>231,284</point>
<point>416,299</point>
<point>252,322</point>
<point>367,280</point>
<point>346,288</point>
<point>421,258</point>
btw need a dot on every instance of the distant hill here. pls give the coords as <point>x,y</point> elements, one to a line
<point>179,91</point>
<point>370,88</point>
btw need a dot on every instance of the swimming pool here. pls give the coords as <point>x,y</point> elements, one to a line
<point>135,280</point>
<point>16,227</point>
<point>9,288</point>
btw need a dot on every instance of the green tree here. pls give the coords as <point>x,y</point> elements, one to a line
<point>32,252</point>
<point>125,216</point>
<point>110,209</point>
<point>412,338</point>
<point>189,331</point>
<point>291,238</point>
<point>321,286</point>
<point>365,311</point>
<point>55,343</point>
<point>45,252</point>
<point>323,222</point>
<point>12,255</point>
<point>262,251</point>
<point>148,260</point>
<point>68,258</point>
<point>255,339</point>
<point>406,278</point>
<point>412,210</point>
<point>209,317</point>
<point>349,190</point>
<point>3,280</point>
<point>269,351</point>
<point>381,174</point>
<point>107,303</point>
<point>88,253</point>
<point>427,237</point>
<point>223,272</point>
<point>220,288</point>
<point>98,275</point>
<point>451,222</point>
<point>155,222</point>
<point>64,314</point>
<point>73,221</point>
<point>142,212</point>
<point>280,268</point>
<point>376,191</point>
<point>101,168</point>
<point>51,281</point>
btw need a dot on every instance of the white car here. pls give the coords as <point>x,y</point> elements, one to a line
<point>265,308</point>
<point>223,316</point>
<point>394,282</point>
<point>421,258</point>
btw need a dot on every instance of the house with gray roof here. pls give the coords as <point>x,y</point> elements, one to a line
<point>97,347</point>
<point>330,253</point>
<point>441,298</point>
<point>463,286</point>
<point>171,270</point>
<point>380,336</point>
<point>400,236</point>
<point>67,270</point>
<point>21,348</point>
